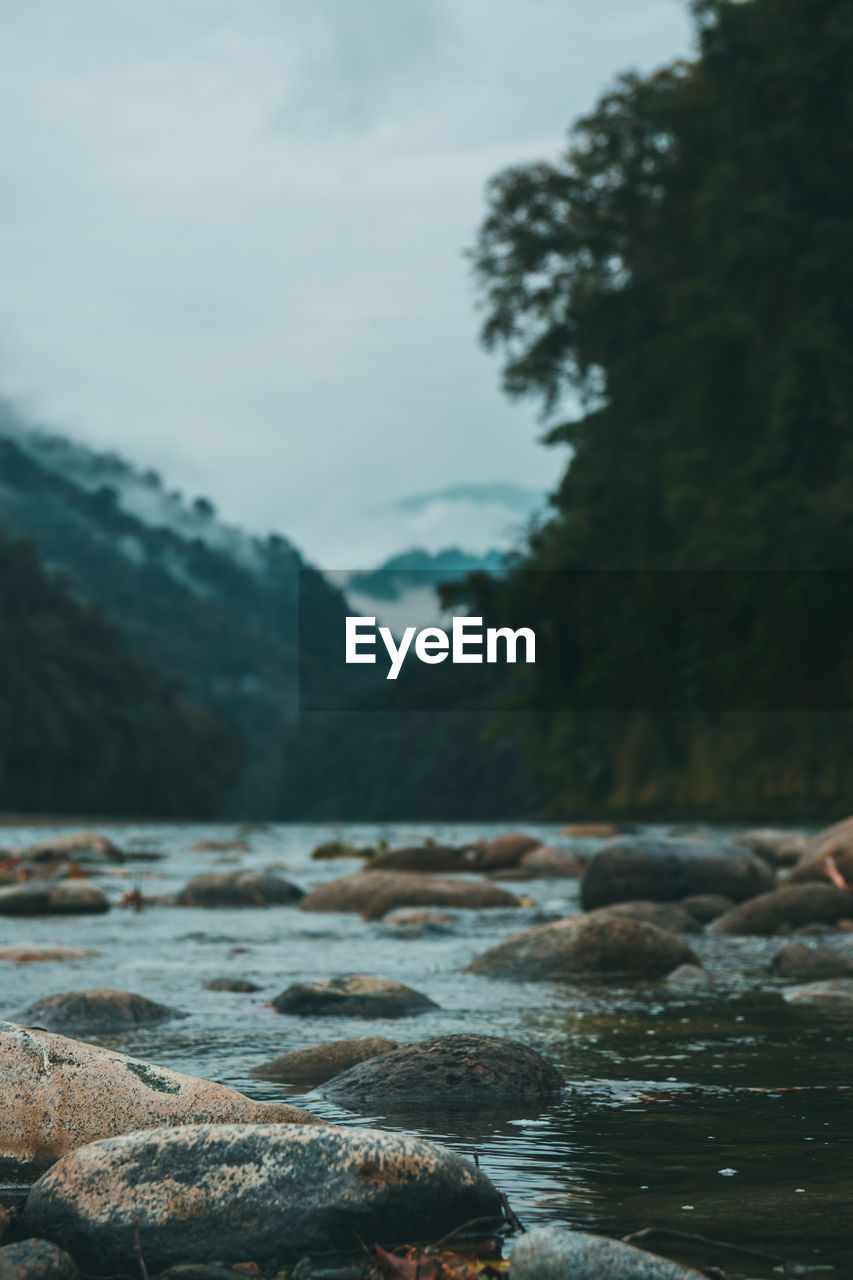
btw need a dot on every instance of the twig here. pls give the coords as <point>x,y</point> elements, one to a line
<point>137,1249</point>
<point>670,1234</point>
<point>455,1232</point>
<point>511,1216</point>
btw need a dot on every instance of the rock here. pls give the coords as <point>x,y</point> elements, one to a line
<point>36,1260</point>
<point>76,845</point>
<point>413,922</point>
<point>542,863</point>
<point>666,870</point>
<point>53,898</point>
<point>792,905</point>
<point>503,851</point>
<point>101,1010</point>
<point>835,842</point>
<point>600,944</point>
<point>354,995</point>
<point>558,1253</point>
<point>320,1062</point>
<point>666,915</point>
<point>340,849</point>
<point>779,848</point>
<point>435,858</point>
<point>61,1093</point>
<point>705,907</point>
<point>593,830</point>
<point>478,1071</point>
<point>690,975</point>
<point>798,960</point>
<point>238,889</point>
<point>270,1193</point>
<point>834,992</point>
<point>35,953</point>
<point>220,846</point>
<point>231,984</point>
<point>375,893</point>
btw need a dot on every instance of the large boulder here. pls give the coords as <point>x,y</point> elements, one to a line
<point>558,1253</point>
<point>836,843</point>
<point>59,1094</point>
<point>786,908</point>
<point>778,847</point>
<point>36,1260</point>
<point>834,993</point>
<point>599,943</point>
<point>238,889</point>
<point>322,1061</point>
<point>267,1193</point>
<point>799,960</point>
<point>354,995</point>
<point>477,1071</point>
<point>666,870</point>
<point>53,898</point>
<point>374,893</point>
<point>100,1011</point>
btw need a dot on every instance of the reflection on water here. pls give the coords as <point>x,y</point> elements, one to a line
<point>719,1110</point>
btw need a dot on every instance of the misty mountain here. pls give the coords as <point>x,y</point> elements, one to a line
<point>420,569</point>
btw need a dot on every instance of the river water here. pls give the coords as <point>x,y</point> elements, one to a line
<point>721,1110</point>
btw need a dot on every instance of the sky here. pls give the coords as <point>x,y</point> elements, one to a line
<point>232,243</point>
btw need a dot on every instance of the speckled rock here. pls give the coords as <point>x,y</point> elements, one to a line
<point>665,870</point>
<point>53,898</point>
<point>60,1093</point>
<point>557,1253</point>
<point>479,1071</point>
<point>238,889</point>
<point>835,993</point>
<point>353,995</point>
<point>788,907</point>
<point>598,943</point>
<point>799,960</point>
<point>99,1011</point>
<point>38,953</point>
<point>321,1062</point>
<point>231,984</point>
<point>666,915</point>
<point>269,1193</point>
<point>374,893</point>
<point>779,848</point>
<point>36,1260</point>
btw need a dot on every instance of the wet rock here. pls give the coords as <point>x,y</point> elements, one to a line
<point>788,907</point>
<point>374,893</point>
<point>36,1260</point>
<point>479,1071</point>
<point>690,975</point>
<point>76,846</point>
<point>320,1062</point>
<point>238,889</point>
<point>542,863</point>
<point>61,1093</point>
<point>666,915</point>
<point>836,993</point>
<point>504,851</point>
<point>53,898</point>
<point>231,984</point>
<point>226,1193</point>
<point>35,953</point>
<point>333,849</point>
<point>100,1011</point>
<point>667,870</point>
<point>835,842</point>
<point>413,922</point>
<point>558,1253</point>
<point>779,848</point>
<point>354,995</point>
<point>220,846</point>
<point>435,858</point>
<point>798,960</point>
<point>705,907</point>
<point>599,944</point>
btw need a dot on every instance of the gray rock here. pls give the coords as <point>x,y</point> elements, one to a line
<point>36,1260</point>
<point>270,1193</point>
<point>835,993</point>
<point>666,870</point>
<point>238,889</point>
<point>353,995</point>
<point>798,960</point>
<point>53,898</point>
<point>790,906</point>
<point>479,1071</point>
<point>323,1061</point>
<point>556,1253</point>
<point>598,943</point>
<point>100,1010</point>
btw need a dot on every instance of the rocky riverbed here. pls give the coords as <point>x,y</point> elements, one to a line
<point>699,1016</point>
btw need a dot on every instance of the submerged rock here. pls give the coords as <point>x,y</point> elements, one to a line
<point>598,943</point>
<point>53,898</point>
<point>798,960</point>
<point>101,1010</point>
<point>269,1193</point>
<point>61,1093</point>
<point>36,953</point>
<point>321,1062</point>
<point>413,922</point>
<point>834,992</point>
<point>220,846</point>
<point>558,1253</point>
<point>479,1071</point>
<point>666,870</point>
<point>238,889</point>
<point>231,984</point>
<point>788,907</point>
<point>36,1260</point>
<point>354,995</point>
<point>374,893</point>
<point>333,849</point>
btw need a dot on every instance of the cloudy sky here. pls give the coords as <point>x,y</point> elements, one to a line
<point>232,234</point>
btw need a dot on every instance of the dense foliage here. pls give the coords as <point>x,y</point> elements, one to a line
<point>686,272</point>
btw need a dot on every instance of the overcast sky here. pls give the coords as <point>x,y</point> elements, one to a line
<point>232,234</point>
